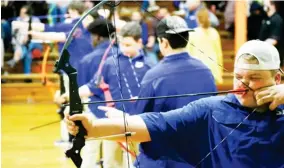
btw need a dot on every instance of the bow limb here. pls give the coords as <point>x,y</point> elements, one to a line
<point>44,80</point>
<point>100,82</point>
<point>43,65</point>
<point>76,107</point>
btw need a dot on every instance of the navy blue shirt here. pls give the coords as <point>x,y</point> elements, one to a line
<point>89,65</point>
<point>80,44</point>
<point>188,134</point>
<point>144,27</point>
<point>131,72</point>
<point>87,69</point>
<point>175,74</point>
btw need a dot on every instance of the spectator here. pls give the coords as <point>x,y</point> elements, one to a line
<point>272,27</point>
<point>152,46</point>
<point>229,15</point>
<point>207,39</point>
<point>137,16</point>
<point>257,14</point>
<point>56,12</point>
<point>192,6</point>
<point>22,45</point>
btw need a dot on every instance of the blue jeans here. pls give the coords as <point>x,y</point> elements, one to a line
<point>27,56</point>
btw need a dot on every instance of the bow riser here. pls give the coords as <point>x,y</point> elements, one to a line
<point>76,107</point>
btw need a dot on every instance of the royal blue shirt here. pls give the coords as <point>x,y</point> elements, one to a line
<point>144,27</point>
<point>87,69</point>
<point>80,44</point>
<point>234,135</point>
<point>191,19</point>
<point>131,72</point>
<point>175,74</point>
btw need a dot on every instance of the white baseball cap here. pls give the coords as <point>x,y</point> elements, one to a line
<point>266,54</point>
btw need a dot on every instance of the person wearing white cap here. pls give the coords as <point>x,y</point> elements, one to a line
<point>236,130</point>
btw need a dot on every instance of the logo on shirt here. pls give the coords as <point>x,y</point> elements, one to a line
<point>139,64</point>
<point>280,112</point>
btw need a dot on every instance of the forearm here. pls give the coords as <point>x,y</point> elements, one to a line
<point>52,36</point>
<point>114,126</point>
<point>25,26</point>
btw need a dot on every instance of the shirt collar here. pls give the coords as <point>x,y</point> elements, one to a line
<point>181,55</point>
<point>140,55</point>
<point>231,98</point>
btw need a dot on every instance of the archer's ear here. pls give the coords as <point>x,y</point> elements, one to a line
<point>277,78</point>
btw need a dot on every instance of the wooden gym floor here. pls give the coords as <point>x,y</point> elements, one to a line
<point>31,149</point>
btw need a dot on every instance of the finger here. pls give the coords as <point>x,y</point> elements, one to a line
<point>70,123</point>
<point>273,105</point>
<point>77,117</point>
<point>105,108</point>
<point>74,133</point>
<point>73,130</point>
<point>265,99</point>
<point>81,117</point>
<point>261,93</point>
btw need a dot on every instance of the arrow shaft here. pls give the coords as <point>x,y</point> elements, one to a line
<point>163,97</point>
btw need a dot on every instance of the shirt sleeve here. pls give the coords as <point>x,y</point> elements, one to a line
<point>176,125</point>
<point>276,30</point>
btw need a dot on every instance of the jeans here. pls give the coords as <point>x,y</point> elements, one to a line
<point>27,56</point>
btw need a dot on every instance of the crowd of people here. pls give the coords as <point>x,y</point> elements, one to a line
<point>169,53</point>
<point>265,22</point>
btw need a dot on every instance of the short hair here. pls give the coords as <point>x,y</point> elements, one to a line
<point>248,59</point>
<point>101,27</point>
<point>131,29</point>
<point>179,40</point>
<point>78,6</point>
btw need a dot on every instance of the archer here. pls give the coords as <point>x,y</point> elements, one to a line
<point>237,130</point>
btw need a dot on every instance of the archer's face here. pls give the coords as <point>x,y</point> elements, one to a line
<point>129,46</point>
<point>255,79</point>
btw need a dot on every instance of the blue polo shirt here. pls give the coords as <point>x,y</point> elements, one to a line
<point>80,44</point>
<point>87,69</point>
<point>131,71</point>
<point>175,74</point>
<point>188,134</point>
